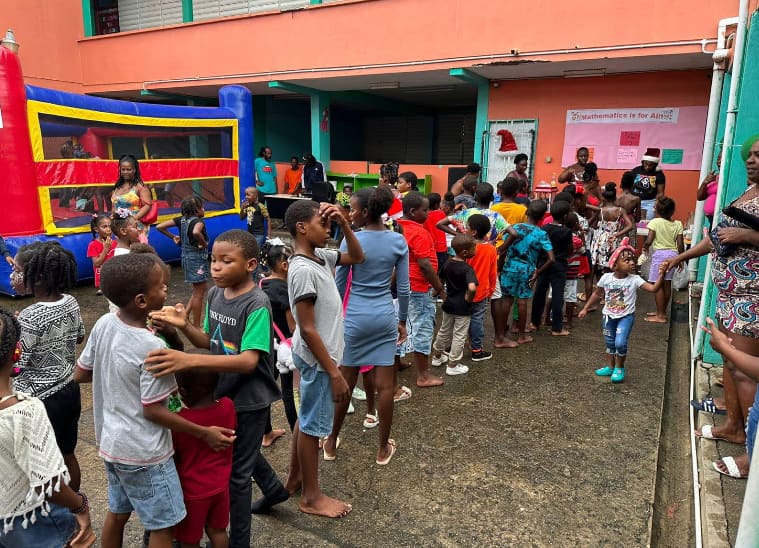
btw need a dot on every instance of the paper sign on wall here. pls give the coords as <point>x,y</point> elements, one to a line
<point>627,155</point>
<point>619,137</point>
<point>629,139</point>
<point>672,156</point>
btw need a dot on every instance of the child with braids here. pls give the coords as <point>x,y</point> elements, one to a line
<point>50,330</point>
<point>193,239</point>
<point>126,229</point>
<point>275,256</point>
<point>99,249</point>
<point>37,505</point>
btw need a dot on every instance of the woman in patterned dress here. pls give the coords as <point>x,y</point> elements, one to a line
<point>131,193</point>
<point>736,276</point>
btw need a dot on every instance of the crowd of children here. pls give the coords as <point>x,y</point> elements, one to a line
<point>313,316</point>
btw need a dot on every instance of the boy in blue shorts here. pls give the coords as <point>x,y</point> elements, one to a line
<point>317,344</point>
<point>132,423</point>
<point>237,331</point>
<point>517,263</point>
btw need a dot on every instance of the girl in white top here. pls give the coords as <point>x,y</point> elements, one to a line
<point>37,507</point>
<point>620,289</point>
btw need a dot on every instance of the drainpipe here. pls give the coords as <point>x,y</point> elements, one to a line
<point>712,119</point>
<point>732,112</point>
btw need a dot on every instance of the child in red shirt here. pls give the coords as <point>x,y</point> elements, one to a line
<point>422,273</point>
<point>485,265</point>
<point>203,472</point>
<point>99,249</point>
<point>438,236</point>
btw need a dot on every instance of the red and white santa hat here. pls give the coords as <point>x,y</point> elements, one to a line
<point>652,155</point>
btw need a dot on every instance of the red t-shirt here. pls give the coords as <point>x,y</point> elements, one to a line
<point>438,236</point>
<point>94,249</point>
<point>420,246</point>
<point>202,471</point>
<point>396,209</point>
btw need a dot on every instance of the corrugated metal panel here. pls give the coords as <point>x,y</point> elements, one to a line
<point>454,142</point>
<point>144,14</point>
<point>385,138</point>
<point>419,135</point>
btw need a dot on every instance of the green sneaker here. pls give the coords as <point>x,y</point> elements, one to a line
<point>618,375</point>
<point>605,371</point>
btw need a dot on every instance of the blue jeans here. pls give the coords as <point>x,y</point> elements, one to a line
<point>616,333</point>
<point>477,324</point>
<point>51,531</point>
<point>152,491</point>
<point>421,316</point>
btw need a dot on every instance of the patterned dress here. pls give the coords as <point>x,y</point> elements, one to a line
<point>131,201</point>
<point>604,242</point>
<point>737,279</point>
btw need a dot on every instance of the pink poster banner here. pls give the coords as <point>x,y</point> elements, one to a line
<point>619,137</point>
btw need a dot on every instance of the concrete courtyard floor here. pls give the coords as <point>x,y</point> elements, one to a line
<point>528,449</point>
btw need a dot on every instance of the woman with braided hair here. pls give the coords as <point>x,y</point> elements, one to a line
<point>37,505</point>
<point>50,330</point>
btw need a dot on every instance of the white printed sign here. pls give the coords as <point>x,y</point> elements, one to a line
<point>623,116</point>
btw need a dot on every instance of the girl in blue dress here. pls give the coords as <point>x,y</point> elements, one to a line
<point>371,329</point>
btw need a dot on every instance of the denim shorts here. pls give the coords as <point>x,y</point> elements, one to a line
<point>152,491</point>
<point>51,531</point>
<point>421,314</point>
<point>196,267</point>
<point>317,408</point>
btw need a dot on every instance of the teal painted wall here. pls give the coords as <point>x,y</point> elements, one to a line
<point>347,133</point>
<point>288,128</point>
<point>747,124</point>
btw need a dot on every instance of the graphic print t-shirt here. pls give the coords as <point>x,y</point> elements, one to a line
<point>621,294</point>
<point>644,186</point>
<point>236,325</point>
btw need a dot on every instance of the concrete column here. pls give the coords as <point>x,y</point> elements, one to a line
<point>320,127</point>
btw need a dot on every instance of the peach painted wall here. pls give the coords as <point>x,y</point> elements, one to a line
<point>48,32</point>
<point>549,99</point>
<point>342,35</point>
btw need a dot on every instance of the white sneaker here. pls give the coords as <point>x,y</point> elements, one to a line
<point>359,394</point>
<point>437,362</point>
<point>457,369</point>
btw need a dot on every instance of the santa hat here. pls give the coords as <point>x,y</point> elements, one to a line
<point>625,246</point>
<point>652,155</point>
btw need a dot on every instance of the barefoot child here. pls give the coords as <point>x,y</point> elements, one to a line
<point>99,248</point>
<point>665,239</point>
<point>422,276</point>
<point>237,331</point>
<point>317,343</point>
<point>128,398</point>
<point>485,265</point>
<point>193,239</point>
<point>518,265</point>
<point>50,330</point>
<point>203,472</point>
<point>457,307</point>
<point>620,289</point>
<point>37,505</point>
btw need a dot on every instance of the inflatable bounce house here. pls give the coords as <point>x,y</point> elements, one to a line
<point>59,158</point>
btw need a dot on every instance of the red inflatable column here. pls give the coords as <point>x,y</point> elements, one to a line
<point>94,144</point>
<point>21,216</point>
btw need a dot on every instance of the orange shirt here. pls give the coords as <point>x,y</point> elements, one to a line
<point>484,263</point>
<point>293,178</point>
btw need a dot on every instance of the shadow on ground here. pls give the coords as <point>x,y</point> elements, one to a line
<point>529,448</point>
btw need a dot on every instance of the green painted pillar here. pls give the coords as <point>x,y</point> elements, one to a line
<point>481,123</point>
<point>187,13</point>
<point>88,17</point>
<point>320,127</point>
<point>483,99</point>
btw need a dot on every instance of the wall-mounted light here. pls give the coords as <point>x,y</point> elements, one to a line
<point>9,42</point>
